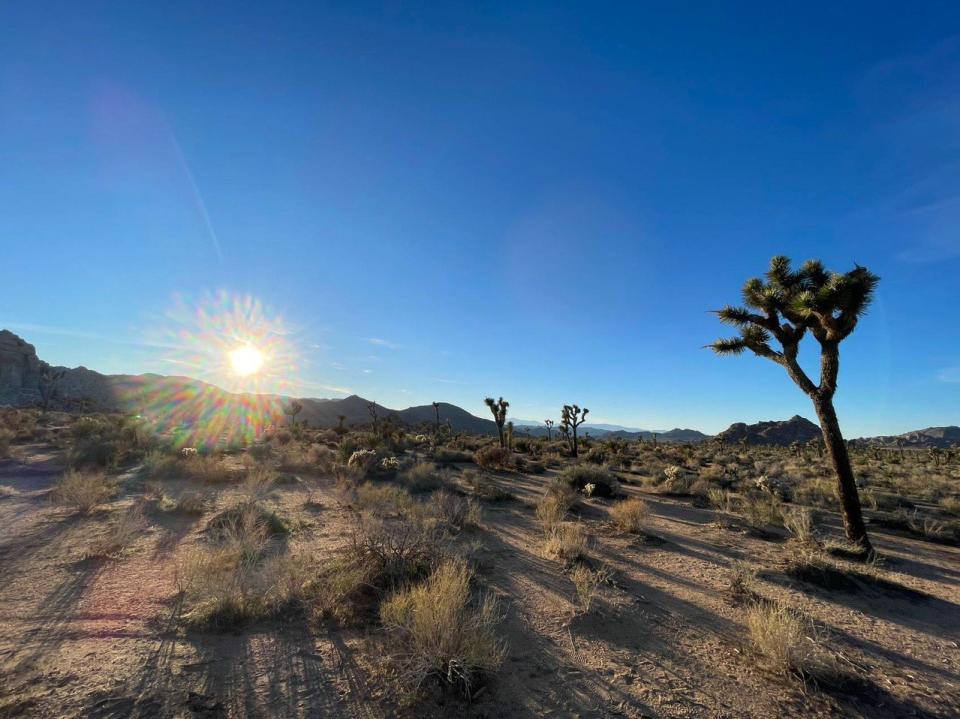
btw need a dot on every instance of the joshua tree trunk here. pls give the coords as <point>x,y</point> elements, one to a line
<point>576,447</point>
<point>846,484</point>
<point>503,442</point>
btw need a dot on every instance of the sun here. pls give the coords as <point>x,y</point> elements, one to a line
<point>246,360</point>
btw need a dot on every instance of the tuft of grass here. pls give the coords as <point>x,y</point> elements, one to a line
<point>485,488</point>
<point>82,489</point>
<point>630,515</point>
<point>566,541</point>
<point>554,504</point>
<point>455,511</point>
<point>444,631</point>
<point>785,643</point>
<point>422,478</point>
<point>383,500</point>
<point>799,522</point>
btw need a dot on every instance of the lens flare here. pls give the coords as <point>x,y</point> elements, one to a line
<point>246,360</point>
<point>239,358</point>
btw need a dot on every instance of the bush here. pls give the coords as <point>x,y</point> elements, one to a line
<point>493,456</point>
<point>362,461</point>
<point>82,489</point>
<point>443,631</point>
<point>604,482</point>
<point>383,500</point>
<point>554,504</point>
<point>121,533</point>
<point>422,478</point>
<point>630,515</point>
<point>484,487</point>
<point>566,542</point>
<point>786,644</point>
<point>455,511</point>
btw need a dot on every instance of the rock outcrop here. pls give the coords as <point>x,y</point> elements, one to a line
<point>20,370</point>
<point>783,433</point>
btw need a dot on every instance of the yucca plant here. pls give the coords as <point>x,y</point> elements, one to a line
<point>292,409</point>
<point>499,410</point>
<point>783,308</point>
<point>571,417</point>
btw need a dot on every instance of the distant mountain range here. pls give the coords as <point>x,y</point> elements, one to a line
<point>189,400</point>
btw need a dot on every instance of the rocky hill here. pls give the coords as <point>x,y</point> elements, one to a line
<point>783,433</point>
<point>942,437</point>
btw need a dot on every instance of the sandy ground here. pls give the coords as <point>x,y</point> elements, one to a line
<point>102,638</point>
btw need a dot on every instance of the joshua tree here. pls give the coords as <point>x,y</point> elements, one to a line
<point>510,436</point>
<point>549,425</point>
<point>340,419</point>
<point>572,417</point>
<point>499,410</point>
<point>293,408</point>
<point>784,307</point>
<point>49,379</point>
<point>372,409</point>
<point>436,408</point>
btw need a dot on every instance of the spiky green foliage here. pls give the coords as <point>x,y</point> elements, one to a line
<point>787,304</point>
<point>498,408</point>
<point>571,417</point>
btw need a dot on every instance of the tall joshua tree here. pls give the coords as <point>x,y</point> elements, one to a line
<point>436,408</point>
<point>572,417</point>
<point>549,425</point>
<point>499,410</point>
<point>784,307</point>
<point>293,408</point>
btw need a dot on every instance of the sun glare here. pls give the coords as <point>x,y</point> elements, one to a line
<point>246,360</point>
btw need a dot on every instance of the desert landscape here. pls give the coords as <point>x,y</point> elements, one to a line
<point>386,569</point>
<point>428,360</point>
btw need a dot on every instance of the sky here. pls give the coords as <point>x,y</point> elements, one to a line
<point>445,201</point>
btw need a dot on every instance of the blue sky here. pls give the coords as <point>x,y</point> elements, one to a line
<point>451,201</point>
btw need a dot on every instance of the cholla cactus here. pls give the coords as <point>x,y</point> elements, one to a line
<point>389,464</point>
<point>589,488</point>
<point>783,308</point>
<point>362,460</point>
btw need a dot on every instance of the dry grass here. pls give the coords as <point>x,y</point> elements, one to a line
<point>554,504</point>
<point>442,631</point>
<point>586,583</point>
<point>566,541</point>
<point>785,643</point>
<point>383,500</point>
<point>422,477</point>
<point>455,511</point>
<point>121,533</point>
<point>630,515</point>
<point>82,489</point>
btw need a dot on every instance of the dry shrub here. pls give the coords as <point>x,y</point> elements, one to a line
<point>586,583</point>
<point>422,477</point>
<point>760,510</point>
<point>785,643</point>
<point>720,499</point>
<point>555,503</point>
<point>493,457</point>
<point>485,487</point>
<point>630,515</point>
<point>566,541</point>
<point>258,481</point>
<point>743,579</point>
<point>443,631</point>
<point>816,492</point>
<point>602,482</point>
<point>449,455</point>
<point>230,579</point>
<point>190,502</point>
<point>800,523</point>
<point>121,533</point>
<point>383,500</point>
<point>454,510</point>
<point>82,489</point>
<point>202,467</point>
<point>951,504</point>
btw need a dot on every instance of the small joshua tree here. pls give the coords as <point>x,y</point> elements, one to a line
<point>374,416</point>
<point>293,408</point>
<point>549,425</point>
<point>572,417</point>
<point>340,429</point>
<point>784,307</point>
<point>499,411</point>
<point>49,380</point>
<point>436,408</point>
<point>510,436</point>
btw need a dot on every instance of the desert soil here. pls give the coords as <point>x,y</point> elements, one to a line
<point>83,637</point>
